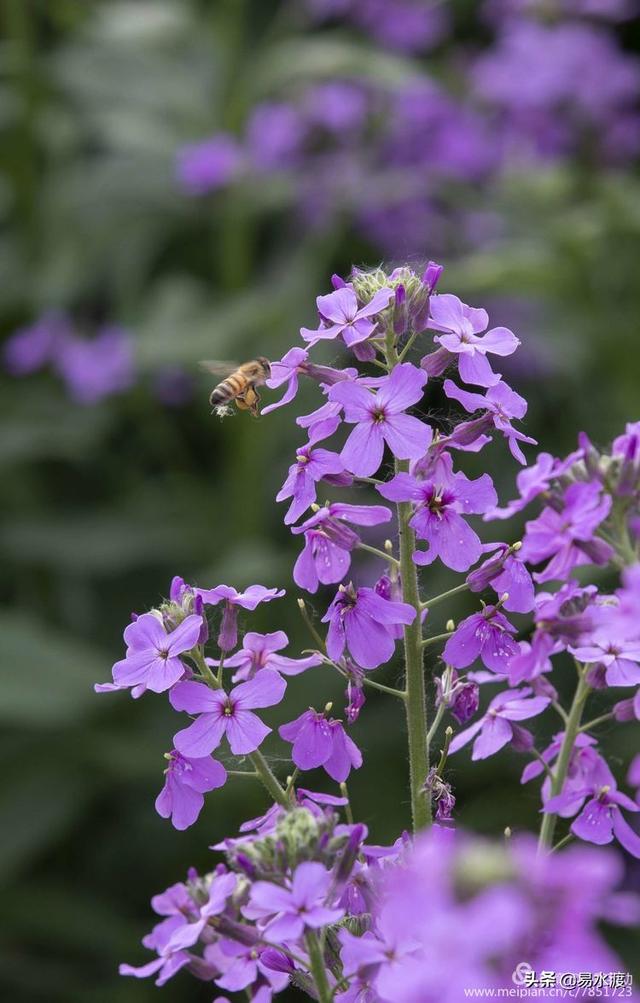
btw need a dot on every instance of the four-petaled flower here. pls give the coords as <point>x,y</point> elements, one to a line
<point>326,556</point>
<point>260,651</point>
<point>312,465</point>
<point>229,714</point>
<point>497,726</point>
<point>487,635</point>
<point>439,507</point>
<point>187,780</point>
<point>341,315</point>
<point>360,620</point>
<point>619,658</point>
<point>601,818</point>
<point>294,909</point>
<point>379,417</point>
<point>460,326</point>
<point>153,657</point>
<point>318,741</point>
<point>232,599</point>
<point>566,537</point>
<point>501,404</point>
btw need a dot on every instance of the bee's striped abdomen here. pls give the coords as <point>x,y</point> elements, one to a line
<point>228,389</point>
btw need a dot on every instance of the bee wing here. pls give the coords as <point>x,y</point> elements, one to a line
<point>218,368</point>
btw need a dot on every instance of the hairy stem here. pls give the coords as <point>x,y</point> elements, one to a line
<point>574,717</point>
<point>415,685</point>
<point>318,970</point>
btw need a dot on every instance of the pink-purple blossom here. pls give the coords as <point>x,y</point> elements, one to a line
<point>497,727</point>
<point>262,651</point>
<point>439,509</point>
<point>321,741</point>
<point>326,556</point>
<point>501,404</point>
<point>487,635</point>
<point>186,782</point>
<point>601,818</point>
<point>380,417</point>
<point>360,620</point>
<point>341,315</point>
<point>565,537</point>
<point>312,464</point>
<point>289,911</point>
<point>229,714</point>
<point>461,326</point>
<point>153,658</point>
<point>232,601</point>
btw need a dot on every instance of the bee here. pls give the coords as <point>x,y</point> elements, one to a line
<point>239,384</point>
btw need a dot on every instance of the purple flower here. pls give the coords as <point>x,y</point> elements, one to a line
<point>229,714</point>
<point>222,886</point>
<point>260,651</point>
<point>321,742</point>
<point>464,702</point>
<point>461,326</point>
<point>187,780</point>
<point>275,134</point>
<point>243,964</point>
<point>30,348</point>
<point>486,635</point>
<point>232,599</point>
<point>207,165</point>
<point>96,368</point>
<point>501,404</point>
<point>379,418</point>
<point>294,364</point>
<point>297,908</point>
<point>586,769</point>
<point>326,556</point>
<point>496,728</point>
<point>341,316</point>
<point>601,818</point>
<point>506,573</point>
<point>152,661</point>
<point>360,620</point>
<point>566,537</point>
<point>620,658</point>
<point>439,506</point>
<point>312,465</point>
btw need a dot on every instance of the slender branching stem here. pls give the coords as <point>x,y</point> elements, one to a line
<point>572,728</point>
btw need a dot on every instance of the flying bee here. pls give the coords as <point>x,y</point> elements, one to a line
<point>239,384</point>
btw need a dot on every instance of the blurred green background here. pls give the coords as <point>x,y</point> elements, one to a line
<point>103,504</point>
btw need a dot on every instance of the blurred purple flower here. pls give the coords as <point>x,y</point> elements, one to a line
<point>207,165</point>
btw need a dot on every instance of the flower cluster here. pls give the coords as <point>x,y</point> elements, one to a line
<point>392,154</point>
<point>303,898</point>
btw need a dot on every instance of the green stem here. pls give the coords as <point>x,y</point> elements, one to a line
<point>548,826</point>
<point>379,553</point>
<point>415,684</point>
<point>595,721</point>
<point>257,760</point>
<point>318,970</point>
<point>428,641</point>
<point>390,690</point>
<point>428,603</point>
